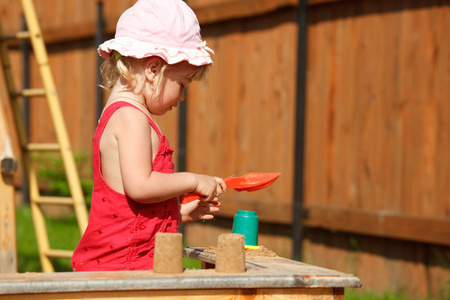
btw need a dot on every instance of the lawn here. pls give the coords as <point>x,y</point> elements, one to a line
<point>63,234</point>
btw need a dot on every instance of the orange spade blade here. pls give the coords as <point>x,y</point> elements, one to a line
<point>234,182</point>
<point>257,181</point>
<point>249,182</point>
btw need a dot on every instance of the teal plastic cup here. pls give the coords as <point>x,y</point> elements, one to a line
<point>246,223</point>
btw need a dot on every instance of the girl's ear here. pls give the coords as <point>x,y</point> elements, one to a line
<point>152,68</point>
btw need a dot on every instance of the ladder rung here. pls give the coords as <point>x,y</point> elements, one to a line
<point>30,93</point>
<point>42,147</point>
<point>59,253</point>
<point>54,200</point>
<point>21,35</point>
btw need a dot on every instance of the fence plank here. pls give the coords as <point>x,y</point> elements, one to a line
<point>380,223</point>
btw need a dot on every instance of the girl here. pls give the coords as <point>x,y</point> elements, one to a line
<point>157,51</point>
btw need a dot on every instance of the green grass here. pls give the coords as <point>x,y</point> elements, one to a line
<point>63,234</point>
<point>27,251</point>
<point>357,294</point>
<point>190,263</point>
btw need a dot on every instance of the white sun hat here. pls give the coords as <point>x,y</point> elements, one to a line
<point>165,28</point>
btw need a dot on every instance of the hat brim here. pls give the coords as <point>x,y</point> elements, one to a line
<point>134,48</point>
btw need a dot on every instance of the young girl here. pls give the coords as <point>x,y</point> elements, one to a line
<point>157,51</point>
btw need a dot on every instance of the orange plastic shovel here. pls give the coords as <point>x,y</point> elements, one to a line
<point>249,182</point>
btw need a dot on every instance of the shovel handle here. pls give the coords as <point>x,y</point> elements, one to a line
<point>186,198</point>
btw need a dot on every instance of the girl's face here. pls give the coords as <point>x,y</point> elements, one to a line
<point>173,85</point>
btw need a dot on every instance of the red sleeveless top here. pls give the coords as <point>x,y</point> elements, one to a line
<point>121,232</point>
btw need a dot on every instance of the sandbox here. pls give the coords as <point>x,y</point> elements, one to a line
<point>266,277</point>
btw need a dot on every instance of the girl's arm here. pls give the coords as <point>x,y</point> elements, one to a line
<point>136,142</point>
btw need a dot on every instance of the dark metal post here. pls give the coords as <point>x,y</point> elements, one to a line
<point>182,124</point>
<point>182,129</point>
<point>24,47</point>
<point>99,38</point>
<point>297,227</point>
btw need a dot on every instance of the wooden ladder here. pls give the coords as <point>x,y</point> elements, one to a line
<point>62,145</point>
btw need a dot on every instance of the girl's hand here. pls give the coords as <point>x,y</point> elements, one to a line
<point>199,210</point>
<point>209,187</point>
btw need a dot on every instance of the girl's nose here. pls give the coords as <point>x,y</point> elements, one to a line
<point>182,96</point>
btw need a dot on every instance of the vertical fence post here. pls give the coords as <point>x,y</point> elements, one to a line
<point>297,226</point>
<point>182,130</point>
<point>25,49</point>
<point>99,38</point>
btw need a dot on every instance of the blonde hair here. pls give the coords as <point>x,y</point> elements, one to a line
<point>126,67</point>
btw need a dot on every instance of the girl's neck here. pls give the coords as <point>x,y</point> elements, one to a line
<point>117,94</point>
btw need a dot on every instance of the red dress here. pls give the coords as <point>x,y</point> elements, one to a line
<point>121,232</point>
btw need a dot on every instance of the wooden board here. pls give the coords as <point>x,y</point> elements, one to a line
<point>265,277</point>
<point>274,268</point>
<point>8,249</point>
<point>232,294</point>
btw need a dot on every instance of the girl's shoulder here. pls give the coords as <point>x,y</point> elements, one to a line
<point>123,108</point>
<point>125,114</point>
<point>128,114</point>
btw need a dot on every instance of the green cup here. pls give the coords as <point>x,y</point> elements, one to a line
<point>246,223</point>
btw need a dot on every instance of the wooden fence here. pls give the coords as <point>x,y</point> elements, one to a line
<point>376,157</point>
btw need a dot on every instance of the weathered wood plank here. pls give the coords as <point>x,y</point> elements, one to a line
<point>266,277</point>
<point>217,11</point>
<point>8,247</point>
<point>203,294</point>
<point>380,223</point>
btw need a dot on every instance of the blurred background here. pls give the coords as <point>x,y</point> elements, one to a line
<point>345,98</point>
